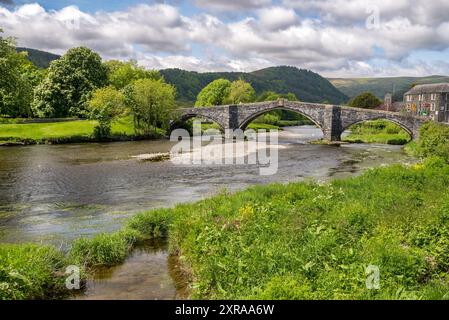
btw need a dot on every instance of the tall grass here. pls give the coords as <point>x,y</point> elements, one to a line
<point>30,271</point>
<point>309,241</point>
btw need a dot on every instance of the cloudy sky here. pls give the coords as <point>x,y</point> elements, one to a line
<point>336,38</point>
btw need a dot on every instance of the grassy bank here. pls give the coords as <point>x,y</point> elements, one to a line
<point>377,131</point>
<point>62,132</point>
<point>295,241</point>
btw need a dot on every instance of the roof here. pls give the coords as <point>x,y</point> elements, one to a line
<point>429,88</point>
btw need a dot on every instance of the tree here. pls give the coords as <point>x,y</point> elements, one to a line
<point>240,91</point>
<point>214,93</point>
<point>70,80</point>
<point>121,74</point>
<point>15,86</point>
<point>151,103</point>
<point>273,96</point>
<point>365,100</point>
<point>105,106</point>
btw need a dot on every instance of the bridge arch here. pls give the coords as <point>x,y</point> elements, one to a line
<point>185,117</point>
<point>313,114</point>
<point>396,121</point>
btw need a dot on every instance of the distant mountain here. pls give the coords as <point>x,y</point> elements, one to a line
<point>306,85</point>
<point>39,58</point>
<point>380,86</point>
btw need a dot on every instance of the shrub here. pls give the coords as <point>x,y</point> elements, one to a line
<point>433,141</point>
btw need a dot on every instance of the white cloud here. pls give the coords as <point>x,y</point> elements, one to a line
<point>229,5</point>
<point>329,37</point>
<point>277,17</point>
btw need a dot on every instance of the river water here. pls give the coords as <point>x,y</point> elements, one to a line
<point>54,194</point>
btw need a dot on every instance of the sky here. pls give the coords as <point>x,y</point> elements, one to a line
<point>335,38</point>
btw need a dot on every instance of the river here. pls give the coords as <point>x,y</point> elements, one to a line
<point>57,193</point>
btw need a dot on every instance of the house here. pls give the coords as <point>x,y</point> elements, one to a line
<point>430,100</point>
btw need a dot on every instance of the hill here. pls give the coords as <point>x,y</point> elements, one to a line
<point>380,86</point>
<point>306,85</point>
<point>39,58</point>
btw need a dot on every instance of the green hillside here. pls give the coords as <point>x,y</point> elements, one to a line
<point>306,85</point>
<point>380,86</point>
<point>39,58</point>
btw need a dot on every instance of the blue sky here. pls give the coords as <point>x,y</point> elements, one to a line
<point>336,38</point>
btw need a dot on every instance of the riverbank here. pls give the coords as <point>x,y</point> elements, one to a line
<point>295,241</point>
<point>16,132</point>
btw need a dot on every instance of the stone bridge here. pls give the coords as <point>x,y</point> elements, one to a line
<point>332,119</point>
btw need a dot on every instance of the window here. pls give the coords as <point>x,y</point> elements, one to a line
<point>442,108</point>
<point>432,106</point>
<point>433,96</point>
<point>409,98</point>
<point>421,97</point>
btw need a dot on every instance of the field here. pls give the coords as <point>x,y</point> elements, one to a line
<point>70,130</point>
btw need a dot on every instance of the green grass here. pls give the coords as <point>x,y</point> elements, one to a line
<point>71,130</point>
<point>103,249</point>
<point>30,272</point>
<point>309,241</point>
<point>378,131</point>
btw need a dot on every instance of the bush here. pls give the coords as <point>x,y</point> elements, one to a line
<point>433,141</point>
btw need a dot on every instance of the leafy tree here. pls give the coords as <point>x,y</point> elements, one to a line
<point>214,93</point>
<point>240,92</point>
<point>365,100</point>
<point>151,102</point>
<point>70,80</point>
<point>121,74</point>
<point>105,106</point>
<point>273,96</point>
<point>15,86</point>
